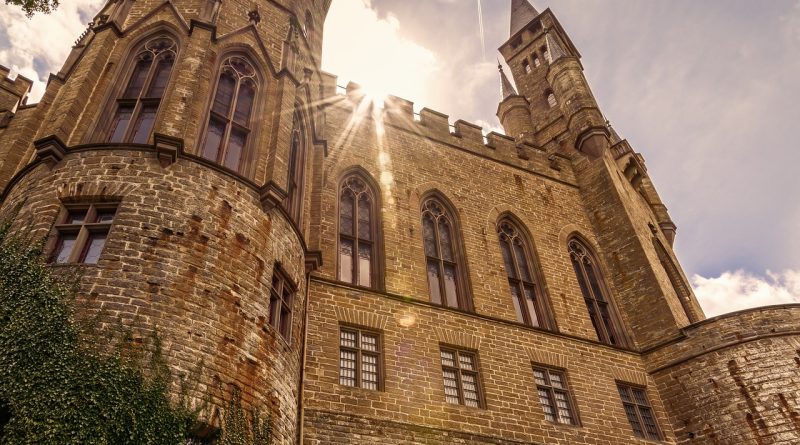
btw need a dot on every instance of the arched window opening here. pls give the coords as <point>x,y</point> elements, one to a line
<point>536,62</point>
<point>444,263</point>
<point>682,290</point>
<point>357,232</point>
<point>546,54</point>
<point>551,99</point>
<point>526,293</point>
<point>526,66</point>
<point>597,303</point>
<point>137,105</point>
<point>309,25</point>
<point>297,162</point>
<point>229,122</point>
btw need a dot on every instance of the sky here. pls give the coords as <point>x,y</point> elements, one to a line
<point>707,91</point>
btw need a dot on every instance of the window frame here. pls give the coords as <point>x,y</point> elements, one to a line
<point>295,180</point>
<point>585,285</point>
<point>376,263</point>
<point>359,351</point>
<point>245,167</point>
<point>463,295</point>
<point>542,303</point>
<point>83,231</point>
<point>457,353</point>
<point>629,388</point>
<point>551,390</point>
<point>275,312</point>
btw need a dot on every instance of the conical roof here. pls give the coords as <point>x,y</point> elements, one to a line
<point>555,50</point>
<point>522,13</point>
<point>506,89</point>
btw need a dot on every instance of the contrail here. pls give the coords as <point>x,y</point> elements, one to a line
<point>480,29</point>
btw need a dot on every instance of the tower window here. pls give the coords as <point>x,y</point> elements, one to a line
<point>554,395</point>
<point>526,66</point>
<point>551,99</point>
<point>359,358</point>
<point>588,274</point>
<point>82,232</point>
<point>637,409</point>
<point>536,62</point>
<point>546,54</point>
<point>444,263</point>
<point>281,301</point>
<point>461,379</point>
<point>137,105</point>
<point>526,294</point>
<point>297,164</point>
<point>229,123</point>
<point>309,25</point>
<point>357,232</point>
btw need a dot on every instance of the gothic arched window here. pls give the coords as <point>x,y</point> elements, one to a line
<point>357,232</point>
<point>526,292</point>
<point>682,290</point>
<point>551,99</point>
<point>230,117</point>
<point>297,162</point>
<point>597,302</point>
<point>137,105</point>
<point>444,263</point>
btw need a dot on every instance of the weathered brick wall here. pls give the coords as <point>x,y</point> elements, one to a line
<point>734,379</point>
<point>191,254</point>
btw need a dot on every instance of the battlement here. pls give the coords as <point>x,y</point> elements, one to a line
<point>13,92</point>
<point>398,112</point>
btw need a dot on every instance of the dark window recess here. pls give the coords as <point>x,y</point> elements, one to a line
<point>281,302</point>
<point>640,414</point>
<point>5,416</point>
<point>81,233</point>
<point>297,162</point>
<point>461,378</point>
<point>359,358</point>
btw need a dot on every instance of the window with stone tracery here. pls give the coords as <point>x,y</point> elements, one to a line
<point>230,117</point>
<point>137,105</point>
<point>597,303</point>
<point>526,292</point>
<point>444,262</point>
<point>357,232</point>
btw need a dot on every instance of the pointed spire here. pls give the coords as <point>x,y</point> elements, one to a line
<point>506,89</point>
<point>553,48</point>
<point>522,13</point>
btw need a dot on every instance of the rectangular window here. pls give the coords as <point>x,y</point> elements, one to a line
<point>554,395</point>
<point>81,233</point>
<point>281,299</point>
<point>637,409</point>
<point>460,373</point>
<point>359,358</point>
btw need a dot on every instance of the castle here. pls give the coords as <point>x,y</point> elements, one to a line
<point>375,275</point>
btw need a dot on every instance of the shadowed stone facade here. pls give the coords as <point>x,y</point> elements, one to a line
<point>194,244</point>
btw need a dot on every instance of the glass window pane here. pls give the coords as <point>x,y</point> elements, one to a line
<point>508,260</point>
<point>224,96</point>
<point>445,240</point>
<point>649,423</point>
<point>214,135</point>
<point>564,408</point>
<point>369,342</point>
<point>95,245</point>
<point>451,386</point>
<point>556,380</point>
<point>120,123</point>
<point>138,77</point>
<point>466,361</point>
<point>532,305</point>
<point>364,264</point>
<point>598,294</point>
<point>144,123</point>
<point>630,412</point>
<point>348,338</point>
<point>161,77</point>
<point>448,358</point>
<point>581,281</point>
<point>547,404</point>
<point>623,393</point>
<point>244,104</point>
<point>346,260</point>
<point>274,308</point>
<point>433,281</point>
<point>364,208</point>
<point>76,217</point>
<point>607,323</point>
<point>522,261</point>
<point>346,213</point>
<point>470,388</point>
<point>429,236</point>
<point>233,156</point>
<point>347,368</point>
<point>450,287</point>
<point>369,371</point>
<point>286,321</point>
<point>105,215</point>
<point>65,245</point>
<point>538,375</point>
<point>516,298</point>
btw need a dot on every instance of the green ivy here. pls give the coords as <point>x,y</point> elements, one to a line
<point>57,389</point>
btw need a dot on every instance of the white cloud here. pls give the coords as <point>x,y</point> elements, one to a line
<point>37,46</point>
<point>733,291</point>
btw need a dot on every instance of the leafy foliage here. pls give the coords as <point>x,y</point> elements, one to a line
<point>33,6</point>
<point>239,430</point>
<point>59,392</point>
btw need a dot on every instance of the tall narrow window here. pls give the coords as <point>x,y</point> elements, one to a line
<point>230,118</point>
<point>442,254</point>
<point>554,395</point>
<point>638,411</point>
<point>536,62</point>
<point>597,304</point>
<point>359,358</point>
<point>526,294</point>
<point>551,99</point>
<point>682,290</point>
<point>461,382</point>
<point>281,301</point>
<point>82,231</point>
<point>136,107</point>
<point>357,232</point>
<point>297,162</point>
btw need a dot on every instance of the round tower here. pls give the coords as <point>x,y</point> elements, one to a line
<point>514,111</point>
<point>170,157</point>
